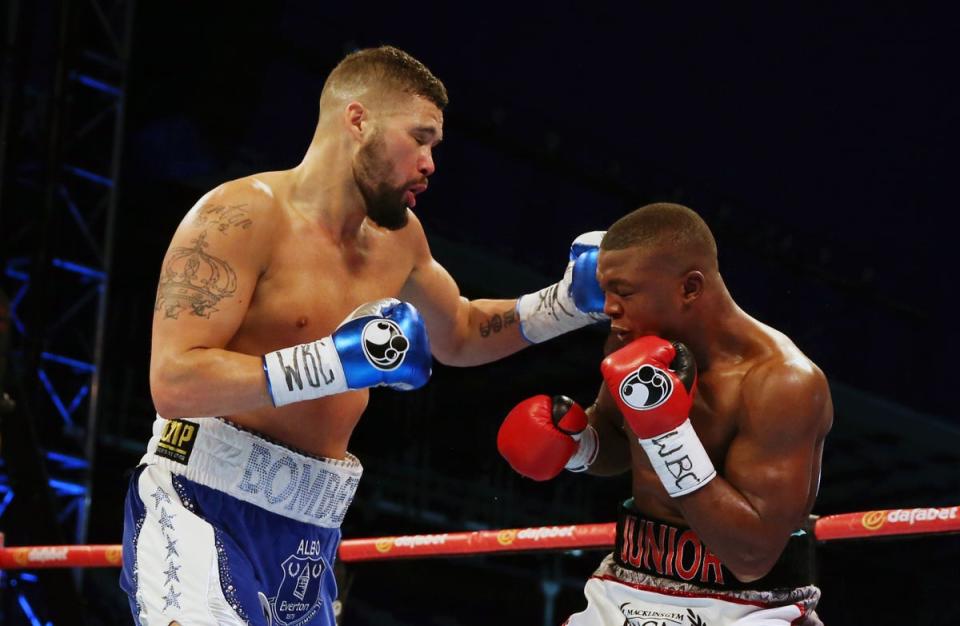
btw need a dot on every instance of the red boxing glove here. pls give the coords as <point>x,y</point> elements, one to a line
<point>653,382</point>
<point>653,397</point>
<point>542,435</point>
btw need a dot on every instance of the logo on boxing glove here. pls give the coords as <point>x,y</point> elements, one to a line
<point>384,344</point>
<point>645,389</point>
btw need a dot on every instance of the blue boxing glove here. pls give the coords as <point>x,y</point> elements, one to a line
<point>587,294</point>
<point>381,343</point>
<point>575,301</point>
<point>384,343</point>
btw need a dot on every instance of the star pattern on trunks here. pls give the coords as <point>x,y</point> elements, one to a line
<point>171,546</point>
<point>171,573</point>
<point>166,519</point>
<point>159,495</point>
<point>171,599</point>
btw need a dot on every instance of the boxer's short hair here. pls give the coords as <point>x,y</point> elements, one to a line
<point>662,224</point>
<point>388,68</point>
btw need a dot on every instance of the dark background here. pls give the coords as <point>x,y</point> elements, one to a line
<point>818,143</point>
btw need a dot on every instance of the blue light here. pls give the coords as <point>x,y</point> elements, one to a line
<point>12,273</point>
<point>83,366</point>
<point>28,610</point>
<point>70,266</point>
<point>77,399</point>
<point>82,173</point>
<point>64,488</point>
<point>67,461</point>
<point>21,292</point>
<point>27,576</point>
<point>99,85</point>
<point>5,500</point>
<point>54,396</point>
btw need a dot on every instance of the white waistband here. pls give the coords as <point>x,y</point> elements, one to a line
<point>216,454</point>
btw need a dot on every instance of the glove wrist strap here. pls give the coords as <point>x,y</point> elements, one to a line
<point>680,460</point>
<point>304,372</point>
<point>586,453</point>
<point>550,312</point>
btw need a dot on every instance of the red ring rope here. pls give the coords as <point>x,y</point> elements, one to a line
<point>860,525</point>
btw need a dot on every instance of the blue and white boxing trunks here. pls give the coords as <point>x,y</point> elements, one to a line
<point>223,527</point>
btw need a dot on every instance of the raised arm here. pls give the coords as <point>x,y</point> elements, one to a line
<point>613,446</point>
<point>207,279</point>
<point>544,435</point>
<point>462,332</point>
<point>471,332</point>
<point>770,475</point>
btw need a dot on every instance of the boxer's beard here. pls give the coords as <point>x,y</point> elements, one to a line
<point>385,205</point>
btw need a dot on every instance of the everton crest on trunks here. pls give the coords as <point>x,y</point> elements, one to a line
<point>646,388</point>
<point>298,598</point>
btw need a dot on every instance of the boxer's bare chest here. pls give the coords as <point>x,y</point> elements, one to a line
<point>311,285</point>
<point>715,414</point>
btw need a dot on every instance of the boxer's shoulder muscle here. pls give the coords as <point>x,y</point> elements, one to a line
<point>789,385</point>
<point>246,206</point>
<point>413,240</point>
<point>215,255</point>
<point>238,217</point>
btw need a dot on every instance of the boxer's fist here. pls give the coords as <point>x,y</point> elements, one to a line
<point>541,435</point>
<point>584,288</point>
<point>384,343</point>
<point>380,343</point>
<point>573,302</point>
<point>652,381</point>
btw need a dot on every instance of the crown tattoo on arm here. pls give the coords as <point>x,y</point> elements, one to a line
<point>195,281</point>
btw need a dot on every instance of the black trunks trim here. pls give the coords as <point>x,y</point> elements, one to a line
<point>677,553</point>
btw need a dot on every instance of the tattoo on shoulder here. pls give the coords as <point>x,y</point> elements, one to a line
<point>497,322</point>
<point>194,281</point>
<point>224,217</point>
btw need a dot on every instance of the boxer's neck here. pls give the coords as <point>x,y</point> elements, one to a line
<point>720,328</point>
<point>323,188</point>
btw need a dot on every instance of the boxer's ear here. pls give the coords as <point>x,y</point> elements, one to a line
<point>692,286</point>
<point>356,119</point>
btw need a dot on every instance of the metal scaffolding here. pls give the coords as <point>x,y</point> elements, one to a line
<point>62,135</point>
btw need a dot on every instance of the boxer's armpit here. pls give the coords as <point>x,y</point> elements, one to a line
<point>193,281</point>
<point>224,218</point>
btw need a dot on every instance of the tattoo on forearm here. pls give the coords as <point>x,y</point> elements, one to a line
<point>498,322</point>
<point>223,217</point>
<point>195,281</point>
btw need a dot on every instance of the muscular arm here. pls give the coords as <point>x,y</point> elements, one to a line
<point>462,332</point>
<point>206,282</point>
<point>613,447</point>
<point>769,478</point>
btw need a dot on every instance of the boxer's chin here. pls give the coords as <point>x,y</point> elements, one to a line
<point>388,212</point>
